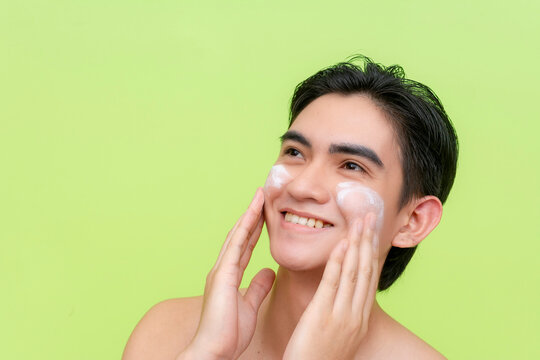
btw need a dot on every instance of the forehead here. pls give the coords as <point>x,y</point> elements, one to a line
<point>337,118</point>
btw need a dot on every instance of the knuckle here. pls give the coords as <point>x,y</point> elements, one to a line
<point>331,282</point>
<point>242,232</point>
<point>226,272</point>
<point>350,330</point>
<point>355,328</point>
<point>238,244</point>
<point>352,276</point>
<point>366,271</point>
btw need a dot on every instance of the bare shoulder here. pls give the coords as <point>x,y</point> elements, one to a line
<point>413,347</point>
<point>164,330</point>
<point>406,345</point>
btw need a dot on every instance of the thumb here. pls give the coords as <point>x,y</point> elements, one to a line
<point>259,287</point>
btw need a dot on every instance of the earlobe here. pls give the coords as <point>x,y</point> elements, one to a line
<point>425,216</point>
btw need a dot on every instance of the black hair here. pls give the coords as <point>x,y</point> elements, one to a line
<point>427,140</point>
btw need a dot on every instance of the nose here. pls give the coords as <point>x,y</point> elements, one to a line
<point>309,184</point>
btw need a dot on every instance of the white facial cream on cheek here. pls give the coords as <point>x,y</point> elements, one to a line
<point>356,201</point>
<point>277,177</point>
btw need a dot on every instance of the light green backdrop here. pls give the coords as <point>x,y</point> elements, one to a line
<point>134,133</point>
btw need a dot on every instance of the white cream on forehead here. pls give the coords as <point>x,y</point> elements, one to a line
<point>277,177</point>
<point>356,201</point>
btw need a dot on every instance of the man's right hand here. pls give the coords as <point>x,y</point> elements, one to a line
<point>228,318</point>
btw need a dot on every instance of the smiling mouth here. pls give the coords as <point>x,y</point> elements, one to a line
<point>306,221</point>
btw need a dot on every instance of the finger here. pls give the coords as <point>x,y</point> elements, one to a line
<point>227,241</point>
<point>365,265</point>
<point>252,242</point>
<point>374,280</point>
<point>259,287</point>
<point>229,236</point>
<point>233,231</point>
<point>254,229</point>
<point>240,237</point>
<point>349,272</point>
<point>326,292</point>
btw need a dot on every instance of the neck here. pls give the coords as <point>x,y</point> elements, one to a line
<point>282,309</point>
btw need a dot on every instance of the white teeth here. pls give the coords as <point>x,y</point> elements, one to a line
<point>288,217</point>
<point>310,222</point>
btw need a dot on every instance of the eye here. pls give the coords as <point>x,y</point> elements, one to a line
<point>354,166</point>
<point>292,152</point>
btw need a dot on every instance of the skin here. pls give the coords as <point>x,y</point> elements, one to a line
<point>322,303</point>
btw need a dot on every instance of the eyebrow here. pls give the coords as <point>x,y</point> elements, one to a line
<point>295,136</point>
<point>342,148</point>
<point>357,150</point>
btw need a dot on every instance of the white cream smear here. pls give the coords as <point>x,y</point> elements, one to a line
<point>356,201</point>
<point>277,177</point>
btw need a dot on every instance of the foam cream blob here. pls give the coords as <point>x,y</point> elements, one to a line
<point>277,177</point>
<point>356,201</point>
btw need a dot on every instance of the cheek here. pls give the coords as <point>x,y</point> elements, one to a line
<point>356,201</point>
<point>277,178</point>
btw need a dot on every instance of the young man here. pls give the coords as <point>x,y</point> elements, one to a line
<point>367,161</point>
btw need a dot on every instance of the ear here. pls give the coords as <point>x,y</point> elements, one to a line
<point>423,218</point>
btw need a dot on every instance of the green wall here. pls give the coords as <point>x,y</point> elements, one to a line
<point>134,133</point>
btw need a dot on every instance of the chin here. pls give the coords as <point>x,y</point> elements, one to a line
<point>296,256</point>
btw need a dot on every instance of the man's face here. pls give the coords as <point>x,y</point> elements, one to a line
<point>337,142</point>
